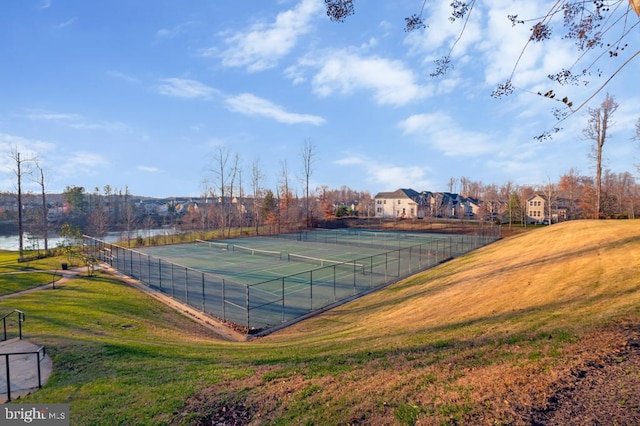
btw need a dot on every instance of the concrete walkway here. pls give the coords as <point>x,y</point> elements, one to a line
<point>60,278</point>
<point>23,368</point>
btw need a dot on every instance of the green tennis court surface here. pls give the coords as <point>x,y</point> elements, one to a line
<point>260,282</point>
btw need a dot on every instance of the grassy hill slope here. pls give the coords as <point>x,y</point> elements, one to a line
<point>504,335</point>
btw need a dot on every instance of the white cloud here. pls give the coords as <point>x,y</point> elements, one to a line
<point>28,148</point>
<point>438,38</point>
<point>345,72</point>
<point>122,76</point>
<point>148,169</point>
<point>442,133</point>
<point>249,104</point>
<point>184,88</point>
<point>64,24</point>
<point>349,161</point>
<point>264,44</point>
<point>75,121</point>
<point>81,163</point>
<point>491,45</point>
<point>169,33</point>
<point>389,176</point>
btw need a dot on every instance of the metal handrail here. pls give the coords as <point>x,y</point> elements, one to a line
<point>21,318</point>
<point>39,359</point>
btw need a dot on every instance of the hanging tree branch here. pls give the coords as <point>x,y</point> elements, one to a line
<point>587,23</point>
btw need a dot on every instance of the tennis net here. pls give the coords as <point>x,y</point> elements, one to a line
<point>213,244</point>
<point>254,251</point>
<point>351,266</point>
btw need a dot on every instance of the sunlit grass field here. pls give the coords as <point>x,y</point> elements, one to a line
<point>475,340</point>
<point>18,276</point>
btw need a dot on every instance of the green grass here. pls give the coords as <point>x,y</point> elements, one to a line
<point>448,346</point>
<point>18,276</point>
<point>15,282</point>
<point>118,357</point>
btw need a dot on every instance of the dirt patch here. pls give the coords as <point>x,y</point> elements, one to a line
<point>604,390</point>
<point>596,382</point>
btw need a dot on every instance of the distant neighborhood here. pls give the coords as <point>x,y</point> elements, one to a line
<point>99,212</point>
<point>536,208</point>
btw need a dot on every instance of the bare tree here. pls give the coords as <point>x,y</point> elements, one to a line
<point>203,210</point>
<point>452,184</point>
<point>240,204</point>
<point>597,131</point>
<point>256,187</point>
<point>97,221</point>
<point>130,218</point>
<point>285,197</point>
<point>225,177</point>
<point>465,182</point>
<point>601,30</point>
<point>569,184</point>
<point>307,155</point>
<point>41,182</point>
<point>551,193</point>
<point>234,172</point>
<point>221,172</point>
<point>21,169</point>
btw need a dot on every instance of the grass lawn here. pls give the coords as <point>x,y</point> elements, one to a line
<point>483,339</point>
<point>18,276</point>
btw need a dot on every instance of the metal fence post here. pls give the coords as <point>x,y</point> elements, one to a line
<point>39,373</point>
<point>203,306</point>
<point>186,286</point>
<point>6,358</point>
<point>355,283</point>
<point>224,305</point>
<point>247,305</point>
<point>283,299</point>
<point>311,289</point>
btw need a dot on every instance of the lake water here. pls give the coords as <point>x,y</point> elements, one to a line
<point>12,242</point>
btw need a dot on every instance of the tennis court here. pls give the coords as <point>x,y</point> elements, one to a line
<point>260,282</point>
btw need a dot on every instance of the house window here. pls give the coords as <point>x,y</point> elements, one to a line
<point>399,201</point>
<point>385,201</point>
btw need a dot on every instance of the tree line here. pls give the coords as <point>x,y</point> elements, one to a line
<point>228,203</point>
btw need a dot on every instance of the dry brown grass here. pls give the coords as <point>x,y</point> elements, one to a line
<point>575,272</point>
<point>488,338</point>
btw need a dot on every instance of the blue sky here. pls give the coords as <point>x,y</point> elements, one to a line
<point>142,94</point>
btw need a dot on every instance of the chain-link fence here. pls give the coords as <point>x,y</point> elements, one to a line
<point>263,305</point>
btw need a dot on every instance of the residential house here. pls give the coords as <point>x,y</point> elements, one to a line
<point>402,203</point>
<point>538,209</point>
<point>472,207</point>
<point>411,204</point>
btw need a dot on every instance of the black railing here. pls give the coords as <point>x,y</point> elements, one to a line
<point>39,353</point>
<point>20,321</point>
